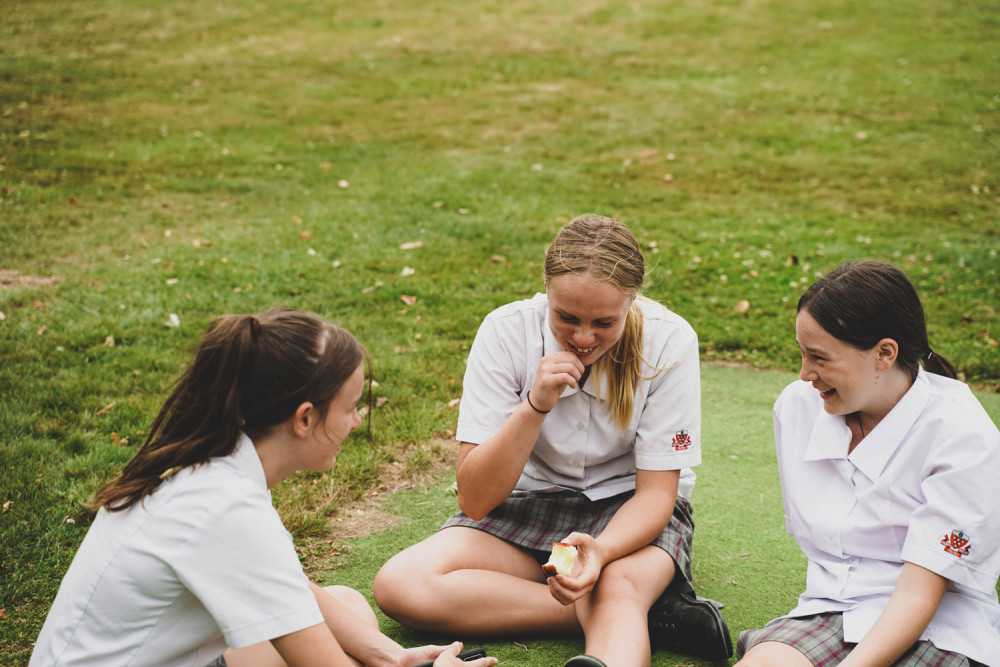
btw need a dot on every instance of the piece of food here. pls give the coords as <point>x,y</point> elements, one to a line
<point>561,559</point>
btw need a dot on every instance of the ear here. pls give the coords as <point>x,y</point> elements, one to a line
<point>886,351</point>
<point>303,419</point>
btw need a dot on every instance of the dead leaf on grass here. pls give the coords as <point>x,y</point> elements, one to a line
<point>106,409</point>
<point>410,245</point>
<point>408,300</point>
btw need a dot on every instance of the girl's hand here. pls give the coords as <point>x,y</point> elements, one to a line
<point>449,658</point>
<point>556,371</point>
<point>586,570</point>
<point>443,656</point>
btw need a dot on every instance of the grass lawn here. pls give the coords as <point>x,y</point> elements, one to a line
<point>398,167</point>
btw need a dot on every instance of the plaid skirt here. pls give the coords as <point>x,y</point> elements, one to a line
<point>534,520</point>
<point>820,638</point>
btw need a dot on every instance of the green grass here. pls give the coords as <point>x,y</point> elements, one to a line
<point>186,157</point>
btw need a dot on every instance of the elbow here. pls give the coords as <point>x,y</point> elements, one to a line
<point>472,509</point>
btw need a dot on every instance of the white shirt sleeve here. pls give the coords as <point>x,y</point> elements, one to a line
<point>491,388</point>
<point>956,532</point>
<point>243,568</point>
<point>668,436</point>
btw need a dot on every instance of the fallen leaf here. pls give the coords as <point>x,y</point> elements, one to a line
<point>325,165</point>
<point>380,401</point>
<point>408,300</point>
<point>109,341</point>
<point>410,245</point>
<point>6,506</point>
<point>115,438</point>
<point>71,521</point>
<point>305,235</point>
<point>407,271</point>
<point>3,614</point>
<point>172,281</point>
<point>311,252</point>
<point>296,220</point>
<point>343,184</point>
<point>41,330</point>
<point>106,409</point>
<point>453,402</point>
<point>741,306</point>
<point>173,321</point>
<point>2,316</point>
<point>499,259</point>
<point>336,263</point>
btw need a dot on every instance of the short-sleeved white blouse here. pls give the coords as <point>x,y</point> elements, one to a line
<point>580,447</point>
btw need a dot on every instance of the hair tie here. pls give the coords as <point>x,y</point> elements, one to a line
<point>930,354</point>
<point>541,412</point>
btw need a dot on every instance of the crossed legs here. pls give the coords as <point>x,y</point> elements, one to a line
<point>465,581</point>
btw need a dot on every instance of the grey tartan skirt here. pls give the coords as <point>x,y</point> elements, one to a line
<point>533,520</point>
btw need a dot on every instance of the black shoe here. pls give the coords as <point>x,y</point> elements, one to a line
<point>682,622</point>
<point>584,661</point>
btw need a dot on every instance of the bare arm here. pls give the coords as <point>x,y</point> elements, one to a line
<point>487,473</point>
<point>913,604</point>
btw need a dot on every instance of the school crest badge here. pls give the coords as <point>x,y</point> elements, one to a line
<point>957,544</point>
<point>681,440</point>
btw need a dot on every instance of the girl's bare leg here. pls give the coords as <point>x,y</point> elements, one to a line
<point>462,580</point>
<point>614,614</point>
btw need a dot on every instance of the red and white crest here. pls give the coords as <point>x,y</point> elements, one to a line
<point>957,544</point>
<point>681,440</point>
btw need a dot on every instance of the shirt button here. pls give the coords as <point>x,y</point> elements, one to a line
<point>580,427</point>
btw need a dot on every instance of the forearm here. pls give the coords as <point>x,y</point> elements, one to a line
<point>913,604</point>
<point>355,635</point>
<point>643,517</point>
<point>487,473</point>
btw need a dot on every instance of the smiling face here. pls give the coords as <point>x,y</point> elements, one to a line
<point>586,316</point>
<point>845,376</point>
<point>341,418</point>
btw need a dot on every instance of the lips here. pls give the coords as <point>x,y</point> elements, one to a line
<point>582,351</point>
<point>825,395</point>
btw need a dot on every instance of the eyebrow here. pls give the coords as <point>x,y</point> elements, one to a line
<point>603,318</point>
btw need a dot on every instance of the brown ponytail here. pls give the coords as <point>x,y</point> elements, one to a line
<point>250,373</point>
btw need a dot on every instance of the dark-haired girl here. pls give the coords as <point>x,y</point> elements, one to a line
<point>187,555</point>
<point>889,473</point>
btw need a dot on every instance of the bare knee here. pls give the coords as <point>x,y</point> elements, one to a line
<point>402,588</point>
<point>773,654</point>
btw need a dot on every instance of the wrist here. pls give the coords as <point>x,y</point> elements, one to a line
<point>534,406</point>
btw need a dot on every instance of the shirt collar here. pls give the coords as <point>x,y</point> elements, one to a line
<point>592,386</point>
<point>246,459</point>
<point>879,447</point>
<point>831,435</point>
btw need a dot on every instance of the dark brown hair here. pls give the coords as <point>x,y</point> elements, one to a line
<point>250,374</point>
<point>863,302</point>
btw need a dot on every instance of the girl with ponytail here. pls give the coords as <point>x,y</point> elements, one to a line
<point>579,422</point>
<point>187,556</point>
<point>889,470</point>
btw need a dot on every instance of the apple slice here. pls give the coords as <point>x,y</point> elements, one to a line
<point>560,560</point>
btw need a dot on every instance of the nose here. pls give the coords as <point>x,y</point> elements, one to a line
<point>583,336</point>
<point>807,372</point>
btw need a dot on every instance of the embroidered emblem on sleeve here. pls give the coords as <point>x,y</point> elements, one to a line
<point>957,544</point>
<point>681,440</point>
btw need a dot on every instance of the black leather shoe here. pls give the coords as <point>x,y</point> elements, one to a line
<point>682,622</point>
<point>584,661</point>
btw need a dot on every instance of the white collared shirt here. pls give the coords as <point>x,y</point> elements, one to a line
<point>923,487</point>
<point>580,446</point>
<point>202,563</point>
